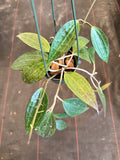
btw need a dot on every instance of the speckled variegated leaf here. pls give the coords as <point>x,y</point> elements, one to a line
<point>22,61</point>
<point>100,43</point>
<point>63,40</point>
<point>74,106</point>
<point>31,109</point>
<point>34,71</point>
<point>47,127</point>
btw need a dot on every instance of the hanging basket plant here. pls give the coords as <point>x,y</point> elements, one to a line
<point>62,60</point>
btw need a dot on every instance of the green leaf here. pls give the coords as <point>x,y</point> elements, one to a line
<point>74,106</point>
<point>31,109</point>
<point>21,62</point>
<point>84,54</point>
<point>82,43</point>
<point>60,125</point>
<point>81,88</point>
<point>63,40</point>
<point>91,52</point>
<point>61,115</point>
<point>100,43</point>
<point>34,71</point>
<point>47,126</point>
<point>102,98</point>
<point>105,86</point>
<point>31,39</point>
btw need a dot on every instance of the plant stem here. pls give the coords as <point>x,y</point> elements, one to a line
<point>69,60</point>
<point>80,69</point>
<point>59,98</point>
<point>54,70</point>
<point>85,22</point>
<point>93,68</point>
<point>91,78</point>
<point>89,10</point>
<point>65,57</point>
<point>96,80</point>
<point>56,95</point>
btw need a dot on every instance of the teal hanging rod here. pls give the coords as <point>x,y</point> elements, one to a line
<point>37,27</point>
<point>53,11</point>
<point>74,15</point>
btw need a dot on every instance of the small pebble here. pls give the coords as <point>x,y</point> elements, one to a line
<point>11,153</point>
<point>11,133</point>
<point>14,113</point>
<point>103,139</point>
<point>19,92</point>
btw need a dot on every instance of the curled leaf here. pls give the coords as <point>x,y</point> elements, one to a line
<point>102,98</point>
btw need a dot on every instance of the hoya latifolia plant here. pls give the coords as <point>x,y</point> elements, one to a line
<point>60,60</point>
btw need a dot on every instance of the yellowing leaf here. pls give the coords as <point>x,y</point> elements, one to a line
<point>81,88</point>
<point>25,59</point>
<point>31,39</point>
<point>105,86</point>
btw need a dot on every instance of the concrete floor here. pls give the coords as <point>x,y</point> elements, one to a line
<point>87,137</point>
